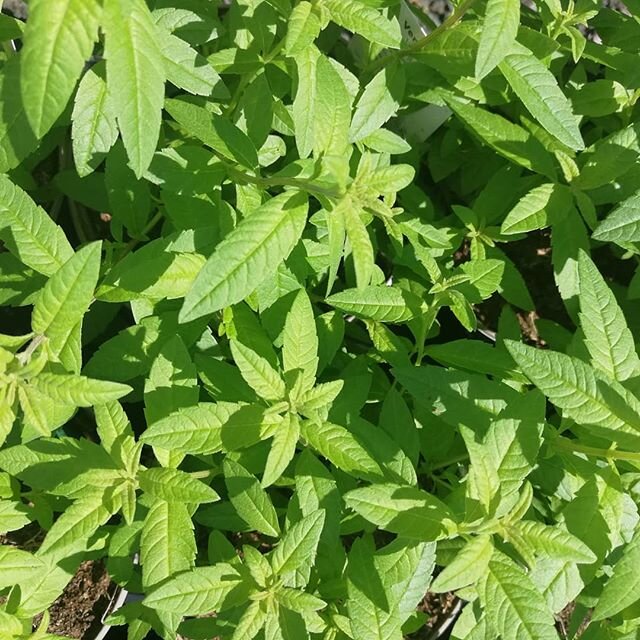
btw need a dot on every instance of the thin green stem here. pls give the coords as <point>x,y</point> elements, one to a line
<point>418,45</point>
<point>134,242</point>
<point>564,444</point>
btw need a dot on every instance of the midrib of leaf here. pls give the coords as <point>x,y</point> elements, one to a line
<point>97,107</point>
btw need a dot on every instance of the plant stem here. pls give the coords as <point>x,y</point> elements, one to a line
<point>418,45</point>
<point>564,444</point>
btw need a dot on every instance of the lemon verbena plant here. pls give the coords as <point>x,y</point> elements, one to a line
<point>313,310</point>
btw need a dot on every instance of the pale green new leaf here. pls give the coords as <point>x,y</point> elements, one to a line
<point>174,485</point>
<point>185,67</point>
<point>538,89</point>
<point>250,500</point>
<point>78,391</point>
<point>341,448</point>
<point>622,225</point>
<point>608,337</point>
<point>407,511</point>
<point>66,297</point>
<point>299,544</point>
<point>252,620</point>
<point>303,28</point>
<point>579,390</point>
<point>361,247</point>
<point>248,255</point>
<point>58,40</point>
<point>300,340</point>
<point>283,449</point>
<point>378,302</point>
<point>552,541</point>
<point>379,101</point>
<point>512,603</point>
<point>17,566</point>
<point>201,590</point>
<point>94,129</point>
<point>167,545</point>
<point>538,208</point>
<point>13,516</point>
<point>362,19</point>
<point>623,587</point>
<point>208,428</point>
<point>258,373</point>
<point>304,103</point>
<point>469,565</point>
<point>135,77</point>
<point>29,233</point>
<point>499,30</point>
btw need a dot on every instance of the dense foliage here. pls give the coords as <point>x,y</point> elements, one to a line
<point>306,313</point>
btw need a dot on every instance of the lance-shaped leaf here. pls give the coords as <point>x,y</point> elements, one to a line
<point>94,129</point>
<point>579,390</point>
<point>299,544</point>
<point>498,34</point>
<point>78,391</point>
<point>247,256</point>
<point>17,566</point>
<point>300,340</point>
<point>283,448</point>
<point>405,510</point>
<point>201,590</point>
<point>303,28</point>
<point>208,428</point>
<point>608,338</point>
<point>250,500</point>
<point>362,19</point>
<point>58,40</point>
<point>135,76</point>
<point>66,297</point>
<point>538,208</point>
<point>29,233</point>
<point>623,587</point>
<point>622,225</point>
<point>174,485</point>
<point>538,89</point>
<point>258,373</point>
<point>512,603</point>
<point>469,565</point>
<point>378,302</point>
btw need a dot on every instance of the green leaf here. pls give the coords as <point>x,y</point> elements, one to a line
<point>512,603</point>
<point>13,516</point>
<point>78,391</point>
<point>538,208</point>
<point>283,449</point>
<point>135,76</point>
<point>622,225</point>
<point>407,511</point>
<point>298,544</point>
<point>58,40</point>
<point>608,338</point>
<point>258,373</point>
<point>186,68</point>
<point>341,448</point>
<point>300,340</point>
<point>499,30</point>
<point>622,589</point>
<point>538,89</point>
<point>249,254</point>
<point>469,566</point>
<point>167,545</point>
<point>66,297</point>
<point>303,28</point>
<point>356,16</point>
<point>29,233</point>
<point>208,428</point>
<point>250,500</point>
<point>380,303</point>
<point>579,390</point>
<point>94,129</point>
<point>552,541</point>
<point>304,103</point>
<point>379,101</point>
<point>216,132</point>
<point>17,566</point>
<point>196,592</point>
<point>361,247</point>
<point>173,485</point>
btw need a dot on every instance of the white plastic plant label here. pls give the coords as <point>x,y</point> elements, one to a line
<point>419,125</point>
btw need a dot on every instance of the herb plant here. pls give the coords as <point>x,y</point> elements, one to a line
<point>307,313</point>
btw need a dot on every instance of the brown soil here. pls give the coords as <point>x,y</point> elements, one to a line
<point>439,607</point>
